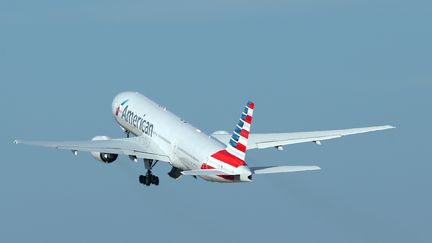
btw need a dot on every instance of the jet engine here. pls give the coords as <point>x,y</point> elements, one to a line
<point>104,157</point>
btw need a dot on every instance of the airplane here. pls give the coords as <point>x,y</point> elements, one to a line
<point>153,134</point>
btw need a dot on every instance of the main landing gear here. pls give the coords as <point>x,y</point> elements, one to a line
<point>149,178</point>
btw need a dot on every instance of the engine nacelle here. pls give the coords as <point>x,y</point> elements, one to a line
<point>103,157</point>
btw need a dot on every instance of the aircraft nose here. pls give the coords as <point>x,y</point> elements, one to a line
<point>115,105</point>
<point>118,101</point>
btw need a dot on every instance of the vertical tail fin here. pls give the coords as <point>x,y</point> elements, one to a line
<point>235,152</point>
<point>239,139</point>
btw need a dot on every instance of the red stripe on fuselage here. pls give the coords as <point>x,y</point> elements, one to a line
<point>228,158</point>
<point>205,166</point>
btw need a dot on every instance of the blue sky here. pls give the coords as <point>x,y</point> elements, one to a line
<point>308,65</point>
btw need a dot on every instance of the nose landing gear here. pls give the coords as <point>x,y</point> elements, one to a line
<point>149,178</point>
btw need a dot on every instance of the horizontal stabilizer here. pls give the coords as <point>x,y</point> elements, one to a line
<point>204,172</point>
<point>282,169</point>
<point>271,140</point>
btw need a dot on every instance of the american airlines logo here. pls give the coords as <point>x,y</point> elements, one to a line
<point>118,107</point>
<point>135,120</point>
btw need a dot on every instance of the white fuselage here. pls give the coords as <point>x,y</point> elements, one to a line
<point>187,147</point>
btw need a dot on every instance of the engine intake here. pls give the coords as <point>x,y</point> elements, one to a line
<point>104,157</point>
<point>107,158</point>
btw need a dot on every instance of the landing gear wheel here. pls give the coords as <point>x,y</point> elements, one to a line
<point>149,178</point>
<point>155,180</point>
<point>142,179</point>
<point>148,181</point>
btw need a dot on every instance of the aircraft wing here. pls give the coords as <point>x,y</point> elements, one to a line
<point>134,146</point>
<point>268,140</point>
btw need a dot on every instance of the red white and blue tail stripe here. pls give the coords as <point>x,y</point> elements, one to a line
<point>238,143</point>
<point>235,152</point>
